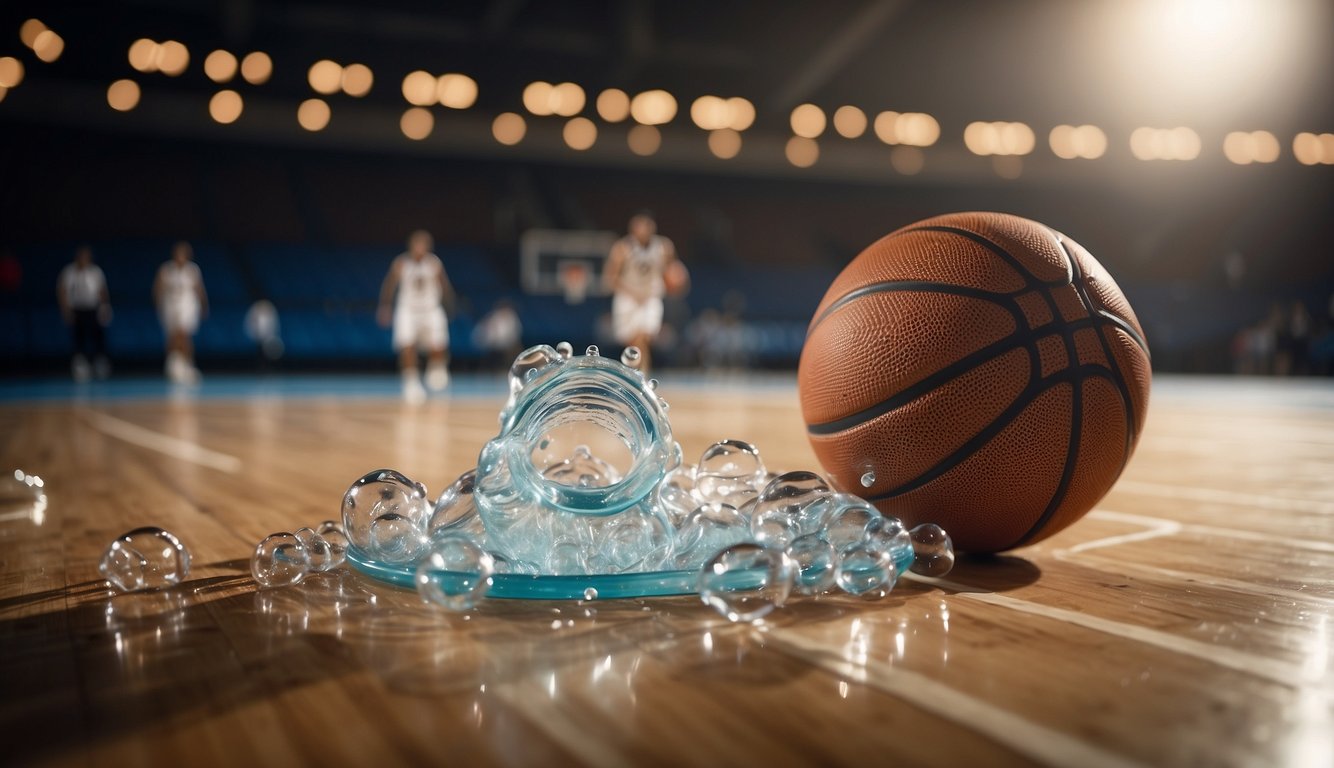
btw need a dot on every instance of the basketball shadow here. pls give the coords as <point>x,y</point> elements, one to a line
<point>994,573</point>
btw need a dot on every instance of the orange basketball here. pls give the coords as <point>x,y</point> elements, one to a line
<point>976,370</point>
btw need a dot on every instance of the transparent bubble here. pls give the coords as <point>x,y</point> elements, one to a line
<point>565,349</point>
<point>456,504</point>
<point>592,350</point>
<point>868,479</point>
<point>729,470</point>
<point>888,534</point>
<point>145,558</point>
<point>932,549</point>
<point>815,561</point>
<point>746,582</point>
<point>862,570</point>
<point>378,493</point>
<point>280,560</point>
<point>632,541</point>
<point>848,521</point>
<point>336,540</point>
<point>710,528</point>
<point>318,553</point>
<point>566,557</point>
<point>528,363</point>
<point>590,594</point>
<point>631,357</point>
<point>793,491</point>
<point>396,539</point>
<point>774,528</point>
<point>455,574</point>
<point>676,494</point>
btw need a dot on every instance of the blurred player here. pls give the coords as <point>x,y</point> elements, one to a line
<point>635,277</point>
<point>182,303</point>
<point>418,277</point>
<point>85,304</point>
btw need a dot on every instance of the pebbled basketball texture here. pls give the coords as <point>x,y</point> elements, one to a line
<point>985,370</point>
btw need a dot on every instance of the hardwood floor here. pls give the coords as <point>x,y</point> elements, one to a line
<point>1188,620</point>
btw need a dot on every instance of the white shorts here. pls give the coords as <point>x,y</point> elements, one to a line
<point>631,317</point>
<point>420,328</point>
<point>180,317</point>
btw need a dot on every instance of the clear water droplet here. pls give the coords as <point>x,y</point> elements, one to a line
<point>396,539</point>
<point>848,520</point>
<point>932,549</point>
<point>378,493</point>
<point>815,561</point>
<point>592,350</point>
<point>456,505</point>
<point>145,558</point>
<point>317,549</point>
<point>565,349</point>
<point>631,357</point>
<point>528,364</point>
<point>280,560</point>
<point>863,570</point>
<point>590,594</point>
<point>868,479</point>
<point>653,385</point>
<point>455,574</point>
<point>746,582</point>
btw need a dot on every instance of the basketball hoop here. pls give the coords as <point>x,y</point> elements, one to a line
<point>574,277</point>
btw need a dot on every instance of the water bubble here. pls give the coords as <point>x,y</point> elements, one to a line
<point>455,505</point>
<point>396,539</point>
<point>565,349</point>
<point>328,526</point>
<point>862,569</point>
<point>335,540</point>
<point>455,574</point>
<point>528,363</point>
<point>592,350</point>
<point>145,558</point>
<point>888,534</point>
<point>676,493</point>
<point>710,528</point>
<point>631,357</point>
<point>280,560</point>
<point>726,468</point>
<point>815,561</point>
<point>318,553</point>
<point>378,493</point>
<point>774,527</point>
<point>566,557</point>
<point>632,541</point>
<point>932,549</point>
<point>653,385</point>
<point>746,582</point>
<point>868,479</point>
<point>848,520</point>
<point>590,594</point>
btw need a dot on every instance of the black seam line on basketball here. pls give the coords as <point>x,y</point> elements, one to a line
<point>1076,402</point>
<point>918,286</point>
<point>1021,338</point>
<point>1025,273</point>
<point>1129,329</point>
<point>1119,378</point>
<point>998,425</point>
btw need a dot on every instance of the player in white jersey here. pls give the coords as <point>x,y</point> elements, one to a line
<point>182,303</point>
<point>419,280</point>
<point>85,304</point>
<point>634,276</point>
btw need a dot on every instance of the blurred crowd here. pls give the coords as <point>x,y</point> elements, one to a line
<point>1289,341</point>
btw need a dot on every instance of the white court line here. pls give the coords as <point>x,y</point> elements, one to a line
<point>1218,496</point>
<point>1295,542</point>
<point>1220,582</point>
<point>1034,741</point>
<point>1156,528</point>
<point>1269,669</point>
<point>164,444</point>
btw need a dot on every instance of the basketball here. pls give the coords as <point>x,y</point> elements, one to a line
<point>980,371</point>
<point>676,279</point>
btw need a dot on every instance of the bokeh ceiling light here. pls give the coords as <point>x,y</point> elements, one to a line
<point>419,88</point>
<point>1244,148</point>
<point>655,107</point>
<point>644,140</point>
<point>537,97</point>
<point>509,128</point>
<point>145,55</point>
<point>908,161</point>
<point>11,72</point>
<point>849,121</point>
<point>580,133</point>
<point>724,143</point>
<point>1178,143</point>
<point>711,113</point>
<point>1313,149</point>
<point>417,123</point>
<point>220,66</point>
<point>743,113</point>
<point>48,46</point>
<point>808,121</point>
<point>123,95</point>
<point>999,138</point>
<point>256,68</point>
<point>456,91</point>
<point>29,30</point>
<point>801,151</point>
<point>1070,142</point>
<point>567,99</point>
<point>313,114</point>
<point>325,77</point>
<point>226,106</point>
<point>613,105</point>
<point>356,80</point>
<point>173,58</point>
